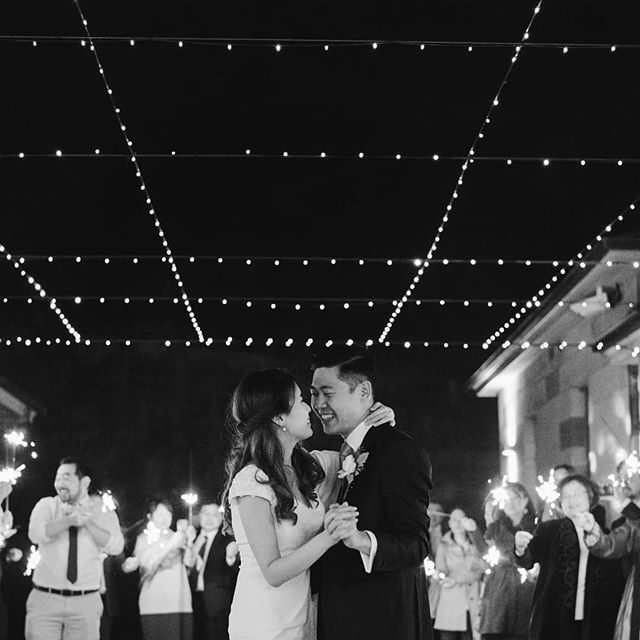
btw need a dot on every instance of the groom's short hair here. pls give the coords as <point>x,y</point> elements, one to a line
<point>354,365</point>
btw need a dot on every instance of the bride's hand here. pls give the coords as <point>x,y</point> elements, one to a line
<point>380,414</point>
<point>340,521</point>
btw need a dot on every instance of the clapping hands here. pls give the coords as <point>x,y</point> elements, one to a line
<point>341,521</point>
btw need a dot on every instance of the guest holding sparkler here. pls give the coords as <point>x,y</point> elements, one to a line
<point>163,555</point>
<point>506,602</point>
<point>459,561</point>
<point>576,595</point>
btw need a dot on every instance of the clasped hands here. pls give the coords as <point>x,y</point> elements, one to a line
<point>78,516</point>
<point>340,522</point>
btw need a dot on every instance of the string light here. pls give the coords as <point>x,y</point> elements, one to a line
<point>143,186</point>
<point>323,43</point>
<point>466,164</point>
<point>40,291</point>
<point>41,341</point>
<point>579,258</point>
<point>97,154</point>
<point>297,303</point>
<point>307,260</point>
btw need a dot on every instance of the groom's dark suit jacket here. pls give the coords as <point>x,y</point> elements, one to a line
<point>392,496</point>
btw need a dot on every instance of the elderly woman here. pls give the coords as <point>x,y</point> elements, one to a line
<point>577,595</point>
<point>460,567</point>
<point>623,542</point>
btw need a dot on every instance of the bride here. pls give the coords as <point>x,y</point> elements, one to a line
<point>273,505</point>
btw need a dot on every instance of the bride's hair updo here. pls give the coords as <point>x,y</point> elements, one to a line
<point>260,397</point>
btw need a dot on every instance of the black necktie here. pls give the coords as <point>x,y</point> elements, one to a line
<point>72,561</point>
<point>203,548</point>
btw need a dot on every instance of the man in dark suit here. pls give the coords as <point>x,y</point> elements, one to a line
<point>372,585</point>
<point>213,578</point>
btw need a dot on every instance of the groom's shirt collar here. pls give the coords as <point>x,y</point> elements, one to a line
<point>355,438</point>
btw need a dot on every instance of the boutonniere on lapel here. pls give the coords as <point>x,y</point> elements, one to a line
<point>352,465</point>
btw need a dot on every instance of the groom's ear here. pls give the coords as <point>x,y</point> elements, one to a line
<point>366,390</point>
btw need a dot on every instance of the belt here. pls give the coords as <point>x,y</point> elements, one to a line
<point>65,592</point>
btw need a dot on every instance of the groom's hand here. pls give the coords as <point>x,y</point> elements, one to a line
<point>341,521</point>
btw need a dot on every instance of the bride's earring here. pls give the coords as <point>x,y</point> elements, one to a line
<point>284,428</point>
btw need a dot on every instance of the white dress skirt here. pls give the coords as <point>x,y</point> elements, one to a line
<point>260,611</point>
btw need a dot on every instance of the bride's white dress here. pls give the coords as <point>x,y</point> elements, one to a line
<point>260,611</point>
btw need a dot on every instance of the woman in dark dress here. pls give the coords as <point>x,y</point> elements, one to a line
<point>577,595</point>
<point>505,606</point>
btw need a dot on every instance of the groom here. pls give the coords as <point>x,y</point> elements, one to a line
<point>373,586</point>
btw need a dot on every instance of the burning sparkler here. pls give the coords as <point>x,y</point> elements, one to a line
<point>190,499</point>
<point>492,557</point>
<point>108,501</point>
<point>548,491</point>
<point>500,495</point>
<point>8,474</point>
<point>32,560</point>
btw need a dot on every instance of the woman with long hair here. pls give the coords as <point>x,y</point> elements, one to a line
<point>459,566</point>
<point>272,505</point>
<point>576,595</point>
<point>505,607</point>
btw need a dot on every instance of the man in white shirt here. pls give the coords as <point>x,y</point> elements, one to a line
<point>214,575</point>
<point>71,529</point>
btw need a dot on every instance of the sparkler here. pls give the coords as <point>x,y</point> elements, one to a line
<point>13,441</point>
<point>190,499</point>
<point>8,474</point>
<point>632,464</point>
<point>548,491</point>
<point>32,560</point>
<point>492,557</point>
<point>152,532</point>
<point>108,501</point>
<point>500,495</point>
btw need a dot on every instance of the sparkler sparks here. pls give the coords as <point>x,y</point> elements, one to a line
<point>32,560</point>
<point>548,490</point>
<point>500,495</point>
<point>16,439</point>
<point>492,557</point>
<point>108,501</point>
<point>7,474</point>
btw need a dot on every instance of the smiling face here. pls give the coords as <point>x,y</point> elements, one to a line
<point>574,499</point>
<point>69,487</point>
<point>339,407</point>
<point>297,422</point>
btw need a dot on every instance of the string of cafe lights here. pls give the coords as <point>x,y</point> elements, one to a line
<point>577,260</point>
<point>274,302</point>
<point>544,161</point>
<point>40,291</point>
<point>279,44</point>
<point>285,303</point>
<point>233,341</point>
<point>143,186</point>
<point>468,161</point>
<point>307,261</point>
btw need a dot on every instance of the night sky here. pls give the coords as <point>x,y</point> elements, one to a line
<point>138,410</point>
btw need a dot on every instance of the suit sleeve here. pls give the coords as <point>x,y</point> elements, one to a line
<point>405,486</point>
<point>617,544</point>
